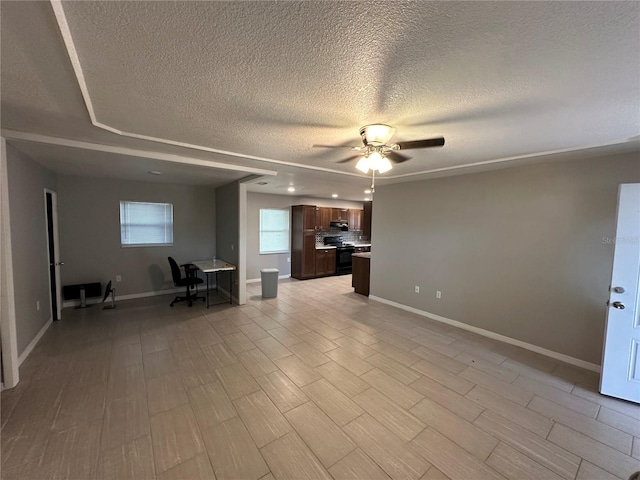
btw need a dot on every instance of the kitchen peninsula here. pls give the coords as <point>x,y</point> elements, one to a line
<point>361,272</point>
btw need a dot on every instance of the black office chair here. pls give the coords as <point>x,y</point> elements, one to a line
<point>189,281</point>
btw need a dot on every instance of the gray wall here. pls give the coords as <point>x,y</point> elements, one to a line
<point>27,181</point>
<point>228,230</point>
<point>227,214</point>
<point>89,214</point>
<point>518,251</point>
<point>256,201</point>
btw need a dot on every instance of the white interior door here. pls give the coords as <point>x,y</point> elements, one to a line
<point>621,358</point>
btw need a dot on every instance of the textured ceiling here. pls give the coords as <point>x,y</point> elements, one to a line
<point>270,79</point>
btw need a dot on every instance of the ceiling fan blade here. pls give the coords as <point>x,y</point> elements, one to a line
<point>396,157</point>
<point>430,142</point>
<point>353,157</point>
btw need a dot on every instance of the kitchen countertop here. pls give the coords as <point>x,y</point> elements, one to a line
<point>327,247</point>
<point>362,255</point>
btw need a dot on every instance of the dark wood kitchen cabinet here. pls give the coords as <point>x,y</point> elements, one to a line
<point>361,273</point>
<point>355,220</point>
<point>323,218</point>
<point>366,219</point>
<point>325,262</point>
<point>303,241</point>
<point>308,221</point>
<point>339,215</point>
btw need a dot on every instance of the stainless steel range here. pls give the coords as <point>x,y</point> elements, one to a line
<point>343,254</point>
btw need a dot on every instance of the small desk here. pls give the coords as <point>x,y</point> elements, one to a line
<point>216,266</point>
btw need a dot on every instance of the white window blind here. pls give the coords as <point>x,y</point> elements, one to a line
<point>146,224</point>
<point>274,230</point>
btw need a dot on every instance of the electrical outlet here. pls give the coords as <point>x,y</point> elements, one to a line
<point>118,278</point>
<point>417,289</point>
<point>438,294</point>
<point>38,305</point>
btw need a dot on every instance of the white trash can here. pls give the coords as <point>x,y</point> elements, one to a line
<point>269,279</point>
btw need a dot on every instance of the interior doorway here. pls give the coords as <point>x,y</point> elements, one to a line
<point>51,206</point>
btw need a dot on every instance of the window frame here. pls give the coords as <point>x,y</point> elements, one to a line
<point>286,210</point>
<point>137,245</point>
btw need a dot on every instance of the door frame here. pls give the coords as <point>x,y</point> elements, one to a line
<point>56,251</point>
<point>10,363</point>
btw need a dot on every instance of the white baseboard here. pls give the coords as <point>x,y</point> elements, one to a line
<point>495,336</point>
<point>32,344</point>
<point>131,296</point>
<point>258,280</point>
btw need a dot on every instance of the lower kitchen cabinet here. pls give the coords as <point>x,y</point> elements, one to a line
<point>325,262</point>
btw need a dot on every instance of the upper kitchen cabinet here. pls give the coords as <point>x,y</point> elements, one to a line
<point>366,219</point>
<point>305,216</point>
<point>323,218</point>
<point>339,215</point>
<point>355,220</point>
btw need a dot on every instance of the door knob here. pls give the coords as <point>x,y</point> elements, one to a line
<point>618,305</point>
<point>59,263</point>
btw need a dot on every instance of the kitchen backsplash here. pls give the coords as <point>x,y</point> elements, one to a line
<point>354,237</point>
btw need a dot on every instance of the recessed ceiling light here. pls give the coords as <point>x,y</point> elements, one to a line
<point>291,189</point>
<point>334,195</point>
<point>367,191</point>
<point>366,199</point>
<point>155,172</point>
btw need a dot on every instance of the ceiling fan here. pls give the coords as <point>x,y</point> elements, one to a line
<point>377,153</point>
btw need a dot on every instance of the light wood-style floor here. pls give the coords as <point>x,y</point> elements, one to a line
<point>318,383</point>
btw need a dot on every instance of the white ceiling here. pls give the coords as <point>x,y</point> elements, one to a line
<point>256,84</point>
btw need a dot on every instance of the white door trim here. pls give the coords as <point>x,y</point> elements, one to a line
<point>7,303</point>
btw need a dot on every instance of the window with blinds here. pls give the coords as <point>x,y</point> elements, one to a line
<point>274,230</point>
<point>144,224</point>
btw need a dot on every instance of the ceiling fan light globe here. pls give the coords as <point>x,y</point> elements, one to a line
<point>363,165</point>
<point>374,160</point>
<point>384,165</point>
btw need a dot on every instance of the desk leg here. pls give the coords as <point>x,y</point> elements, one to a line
<point>231,287</point>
